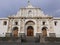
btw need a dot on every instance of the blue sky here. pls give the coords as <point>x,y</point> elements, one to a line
<point>10,7</point>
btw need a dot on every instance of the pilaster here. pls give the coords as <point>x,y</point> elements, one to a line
<point>9,31</point>
<point>51,33</point>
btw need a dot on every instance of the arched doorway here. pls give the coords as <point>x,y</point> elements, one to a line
<point>29,26</point>
<point>44,31</point>
<point>15,32</point>
<point>30,31</point>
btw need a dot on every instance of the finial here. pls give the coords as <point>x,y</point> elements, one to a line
<point>28,2</point>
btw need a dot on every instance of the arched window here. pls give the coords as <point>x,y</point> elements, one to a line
<point>15,28</point>
<point>29,12</point>
<point>16,23</point>
<point>44,28</point>
<point>55,23</point>
<point>43,23</point>
<point>5,23</point>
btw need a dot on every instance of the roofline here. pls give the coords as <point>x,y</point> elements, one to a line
<point>3,18</point>
<point>30,8</point>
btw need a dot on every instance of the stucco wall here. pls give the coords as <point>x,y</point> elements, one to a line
<point>3,28</point>
<point>57,28</point>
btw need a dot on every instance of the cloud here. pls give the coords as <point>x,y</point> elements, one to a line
<point>8,7</point>
<point>58,11</point>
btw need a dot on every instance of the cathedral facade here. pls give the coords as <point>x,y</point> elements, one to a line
<point>30,21</point>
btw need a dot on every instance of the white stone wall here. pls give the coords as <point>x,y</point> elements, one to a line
<point>35,12</point>
<point>12,25</point>
<point>3,28</point>
<point>34,26</point>
<point>57,27</point>
<point>46,25</point>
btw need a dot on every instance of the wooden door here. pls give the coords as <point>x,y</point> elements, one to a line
<point>29,32</point>
<point>44,32</point>
<point>15,33</point>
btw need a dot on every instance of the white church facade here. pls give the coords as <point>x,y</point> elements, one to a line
<point>30,21</point>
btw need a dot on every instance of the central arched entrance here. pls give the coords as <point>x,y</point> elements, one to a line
<point>15,32</point>
<point>30,31</point>
<point>29,28</point>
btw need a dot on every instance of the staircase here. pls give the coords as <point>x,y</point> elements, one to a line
<point>42,39</point>
<point>30,39</point>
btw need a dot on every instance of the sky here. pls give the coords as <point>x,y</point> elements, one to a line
<point>10,7</point>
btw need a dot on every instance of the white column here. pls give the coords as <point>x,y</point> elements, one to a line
<point>10,26</point>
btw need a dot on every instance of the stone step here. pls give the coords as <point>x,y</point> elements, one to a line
<point>42,39</point>
<point>30,43</point>
<point>27,43</point>
<point>30,39</point>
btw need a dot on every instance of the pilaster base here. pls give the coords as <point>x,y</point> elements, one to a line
<point>8,34</point>
<point>21,34</point>
<point>52,35</point>
<point>38,34</point>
